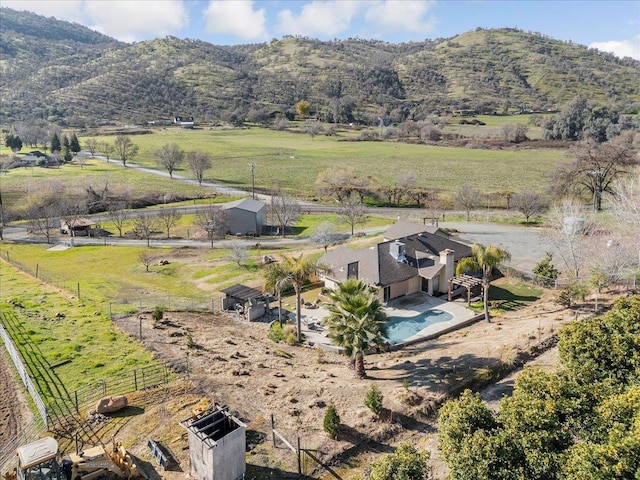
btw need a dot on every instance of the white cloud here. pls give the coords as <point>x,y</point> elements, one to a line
<point>237,18</point>
<point>132,20</point>
<point>400,15</point>
<point>624,48</point>
<point>70,10</point>
<point>126,20</point>
<point>319,18</point>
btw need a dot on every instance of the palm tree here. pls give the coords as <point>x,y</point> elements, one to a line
<point>356,320</point>
<point>485,259</point>
<point>275,278</point>
<point>295,271</point>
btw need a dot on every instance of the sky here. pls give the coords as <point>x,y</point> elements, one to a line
<point>611,26</point>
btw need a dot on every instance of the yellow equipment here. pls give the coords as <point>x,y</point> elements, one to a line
<point>39,461</point>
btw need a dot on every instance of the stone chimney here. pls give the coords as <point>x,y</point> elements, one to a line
<point>446,259</point>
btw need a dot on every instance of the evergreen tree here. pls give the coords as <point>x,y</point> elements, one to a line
<point>56,146</point>
<point>13,142</point>
<point>331,423</point>
<point>74,144</point>
<point>66,149</point>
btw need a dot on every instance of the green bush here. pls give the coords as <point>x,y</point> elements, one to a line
<point>331,423</point>
<point>373,400</point>
<point>158,314</point>
<point>286,333</point>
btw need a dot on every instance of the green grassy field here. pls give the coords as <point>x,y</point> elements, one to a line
<point>80,347</point>
<point>294,160</point>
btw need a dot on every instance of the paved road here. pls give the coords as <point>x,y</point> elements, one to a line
<point>527,245</point>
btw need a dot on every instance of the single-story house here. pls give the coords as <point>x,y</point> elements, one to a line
<point>246,216</point>
<point>184,122</point>
<point>81,227</point>
<point>417,262</point>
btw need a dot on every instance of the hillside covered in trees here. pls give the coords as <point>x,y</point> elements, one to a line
<point>68,74</point>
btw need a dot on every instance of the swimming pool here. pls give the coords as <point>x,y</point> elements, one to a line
<point>401,328</point>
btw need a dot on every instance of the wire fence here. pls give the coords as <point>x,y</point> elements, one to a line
<point>126,304</point>
<point>65,412</point>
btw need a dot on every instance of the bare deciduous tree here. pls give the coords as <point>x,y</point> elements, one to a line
<point>170,157</point>
<point>352,212</point>
<point>595,168</point>
<point>528,203</point>
<point>145,224</point>
<point>569,235</point>
<point>169,217</point>
<point>108,149</point>
<point>468,198</point>
<point>283,210</point>
<point>146,258</point>
<point>325,234</point>
<point>125,149</point>
<point>199,162</point>
<point>43,219</point>
<point>341,184</point>
<point>214,220</point>
<point>92,145</point>
<point>238,252</point>
<point>116,210</point>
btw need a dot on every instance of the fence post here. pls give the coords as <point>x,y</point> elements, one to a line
<point>135,379</point>
<point>299,459</point>
<point>169,306</point>
<point>76,395</point>
<point>110,312</point>
<point>273,427</point>
<point>37,268</point>
<point>78,290</point>
<point>104,388</point>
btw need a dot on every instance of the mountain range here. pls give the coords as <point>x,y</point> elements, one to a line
<point>70,75</point>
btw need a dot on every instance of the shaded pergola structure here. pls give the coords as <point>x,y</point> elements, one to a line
<point>240,295</point>
<point>465,281</point>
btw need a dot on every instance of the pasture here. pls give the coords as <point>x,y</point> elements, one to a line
<point>294,160</point>
<point>70,337</point>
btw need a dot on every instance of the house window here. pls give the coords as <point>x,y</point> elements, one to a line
<point>352,270</point>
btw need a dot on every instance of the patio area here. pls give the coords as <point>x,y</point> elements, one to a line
<point>407,306</point>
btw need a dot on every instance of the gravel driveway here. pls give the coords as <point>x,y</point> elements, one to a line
<point>527,245</point>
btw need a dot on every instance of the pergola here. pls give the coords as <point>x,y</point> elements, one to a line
<point>241,294</point>
<point>466,281</point>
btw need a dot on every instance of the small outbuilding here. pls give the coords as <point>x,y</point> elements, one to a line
<point>244,300</point>
<point>217,445</point>
<point>246,216</point>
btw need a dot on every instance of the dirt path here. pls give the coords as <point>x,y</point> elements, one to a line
<point>14,411</point>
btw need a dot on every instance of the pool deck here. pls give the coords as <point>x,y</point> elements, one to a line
<point>407,306</point>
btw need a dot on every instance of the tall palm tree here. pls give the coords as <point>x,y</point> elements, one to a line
<point>295,271</point>
<point>485,259</point>
<point>275,278</point>
<point>356,320</point>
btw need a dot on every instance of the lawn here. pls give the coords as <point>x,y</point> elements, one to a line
<point>506,295</point>
<point>294,160</point>
<point>77,344</point>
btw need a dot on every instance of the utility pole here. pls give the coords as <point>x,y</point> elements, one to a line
<point>252,166</point>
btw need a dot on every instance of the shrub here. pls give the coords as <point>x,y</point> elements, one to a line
<point>373,400</point>
<point>331,423</point>
<point>158,314</point>
<point>286,333</point>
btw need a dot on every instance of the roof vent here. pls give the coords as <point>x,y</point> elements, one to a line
<point>397,251</point>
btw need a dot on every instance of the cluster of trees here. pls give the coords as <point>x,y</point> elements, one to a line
<point>580,422</point>
<point>582,120</point>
